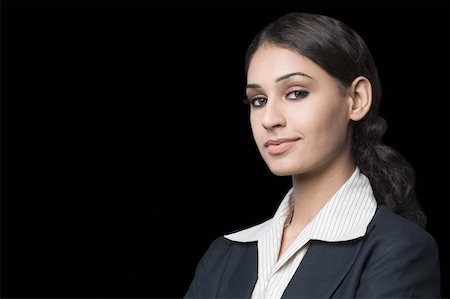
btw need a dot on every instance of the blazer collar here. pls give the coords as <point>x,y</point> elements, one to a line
<point>324,266</point>
<point>322,269</point>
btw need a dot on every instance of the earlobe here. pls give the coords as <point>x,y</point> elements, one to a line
<point>361,96</point>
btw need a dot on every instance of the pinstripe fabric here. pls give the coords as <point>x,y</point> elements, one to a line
<point>345,217</point>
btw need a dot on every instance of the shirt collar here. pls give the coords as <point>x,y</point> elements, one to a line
<point>344,217</point>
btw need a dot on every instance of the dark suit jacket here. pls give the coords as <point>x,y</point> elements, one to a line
<point>395,259</point>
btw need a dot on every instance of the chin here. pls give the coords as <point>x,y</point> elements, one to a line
<point>282,171</point>
<point>281,166</point>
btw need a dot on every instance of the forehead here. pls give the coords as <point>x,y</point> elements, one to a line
<point>271,62</point>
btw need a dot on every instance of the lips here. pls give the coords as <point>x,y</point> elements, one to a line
<point>279,146</point>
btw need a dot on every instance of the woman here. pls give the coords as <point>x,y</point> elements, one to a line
<point>350,226</point>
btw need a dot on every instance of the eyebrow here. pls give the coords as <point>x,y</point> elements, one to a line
<point>284,77</point>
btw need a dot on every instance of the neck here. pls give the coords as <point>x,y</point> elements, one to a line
<point>314,189</point>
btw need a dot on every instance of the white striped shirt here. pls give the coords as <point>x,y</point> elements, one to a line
<point>344,217</point>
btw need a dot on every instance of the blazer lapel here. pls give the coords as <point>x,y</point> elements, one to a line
<point>322,269</point>
<point>241,279</point>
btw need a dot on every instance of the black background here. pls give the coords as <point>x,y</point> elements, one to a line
<point>126,148</point>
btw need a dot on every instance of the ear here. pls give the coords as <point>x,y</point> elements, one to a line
<point>361,97</point>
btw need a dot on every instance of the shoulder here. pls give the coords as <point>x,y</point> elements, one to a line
<point>223,253</point>
<point>393,226</point>
<point>219,246</point>
<point>222,246</point>
<point>397,234</point>
<point>219,263</point>
<point>392,247</point>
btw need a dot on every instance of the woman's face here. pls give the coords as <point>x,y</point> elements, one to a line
<point>298,113</point>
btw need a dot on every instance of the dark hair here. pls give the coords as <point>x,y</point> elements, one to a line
<point>342,53</point>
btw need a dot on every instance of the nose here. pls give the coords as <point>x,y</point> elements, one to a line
<point>273,115</point>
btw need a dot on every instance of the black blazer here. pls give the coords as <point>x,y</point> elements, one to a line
<point>395,259</point>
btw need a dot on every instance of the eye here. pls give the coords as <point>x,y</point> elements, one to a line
<point>297,94</point>
<point>257,102</point>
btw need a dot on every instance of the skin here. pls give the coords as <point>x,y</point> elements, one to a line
<point>293,98</point>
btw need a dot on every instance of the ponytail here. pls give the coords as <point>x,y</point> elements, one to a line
<point>392,178</point>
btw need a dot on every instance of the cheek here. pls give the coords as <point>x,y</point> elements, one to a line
<point>332,126</point>
<point>258,131</point>
<point>257,128</point>
<point>324,124</point>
